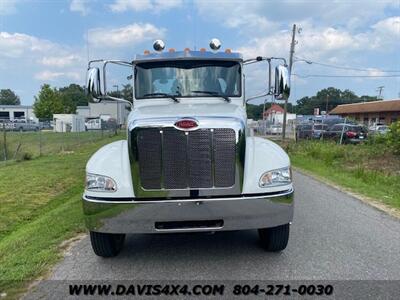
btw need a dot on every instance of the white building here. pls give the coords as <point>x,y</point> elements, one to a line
<point>68,123</point>
<point>274,115</point>
<point>13,112</point>
<point>113,109</point>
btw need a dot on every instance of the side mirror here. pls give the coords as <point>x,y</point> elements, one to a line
<point>282,84</point>
<point>93,84</point>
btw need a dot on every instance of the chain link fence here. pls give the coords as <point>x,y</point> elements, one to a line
<point>272,131</point>
<point>24,141</point>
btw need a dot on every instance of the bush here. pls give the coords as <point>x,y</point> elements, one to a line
<point>393,137</point>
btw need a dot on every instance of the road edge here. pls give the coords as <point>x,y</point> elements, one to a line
<point>393,212</point>
<point>64,249</point>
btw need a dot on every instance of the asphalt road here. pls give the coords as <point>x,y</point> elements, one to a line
<point>333,237</point>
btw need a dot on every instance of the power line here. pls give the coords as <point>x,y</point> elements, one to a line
<point>344,67</point>
<point>362,76</point>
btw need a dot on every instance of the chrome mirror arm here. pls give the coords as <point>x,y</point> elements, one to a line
<point>259,96</point>
<point>105,95</point>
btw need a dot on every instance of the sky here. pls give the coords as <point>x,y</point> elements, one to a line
<point>51,41</point>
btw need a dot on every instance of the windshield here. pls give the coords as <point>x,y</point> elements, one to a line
<point>187,78</point>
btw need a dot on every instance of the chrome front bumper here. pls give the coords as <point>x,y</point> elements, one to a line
<point>233,213</point>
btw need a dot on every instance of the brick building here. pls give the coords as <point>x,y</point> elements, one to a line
<point>370,113</point>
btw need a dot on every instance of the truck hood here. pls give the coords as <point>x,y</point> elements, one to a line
<point>179,110</point>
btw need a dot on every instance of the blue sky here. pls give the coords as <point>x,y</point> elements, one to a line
<point>51,41</point>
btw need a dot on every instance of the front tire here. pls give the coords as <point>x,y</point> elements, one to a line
<point>274,239</point>
<point>106,244</point>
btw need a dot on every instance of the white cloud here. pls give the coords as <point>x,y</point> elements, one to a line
<point>130,35</point>
<point>52,76</point>
<point>261,17</point>
<point>328,43</point>
<point>142,5</point>
<point>19,51</point>
<point>61,61</point>
<point>80,6</point>
<point>8,7</point>
<point>17,44</point>
<point>245,16</point>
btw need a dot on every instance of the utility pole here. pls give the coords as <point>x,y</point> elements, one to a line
<point>380,90</point>
<point>326,107</point>
<point>292,45</point>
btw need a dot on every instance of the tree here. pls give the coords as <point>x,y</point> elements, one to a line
<point>327,99</point>
<point>8,97</point>
<point>47,103</point>
<point>126,92</point>
<point>75,94</point>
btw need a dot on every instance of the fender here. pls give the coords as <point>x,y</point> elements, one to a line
<point>112,160</point>
<point>262,155</point>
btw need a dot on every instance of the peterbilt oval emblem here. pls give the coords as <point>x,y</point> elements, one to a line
<point>186,124</point>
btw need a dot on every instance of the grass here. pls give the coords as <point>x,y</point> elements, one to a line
<point>27,145</point>
<point>40,208</point>
<point>367,169</point>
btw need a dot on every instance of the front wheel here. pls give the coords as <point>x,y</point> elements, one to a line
<point>274,239</point>
<point>106,244</point>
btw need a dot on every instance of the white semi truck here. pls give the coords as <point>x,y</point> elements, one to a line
<point>189,162</point>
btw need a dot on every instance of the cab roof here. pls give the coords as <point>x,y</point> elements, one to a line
<point>176,55</point>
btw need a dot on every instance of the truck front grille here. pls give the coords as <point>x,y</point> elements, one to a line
<point>173,159</point>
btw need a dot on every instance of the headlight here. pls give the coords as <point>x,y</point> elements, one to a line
<point>276,177</point>
<point>100,183</point>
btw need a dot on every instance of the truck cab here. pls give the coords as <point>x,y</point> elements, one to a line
<point>188,163</point>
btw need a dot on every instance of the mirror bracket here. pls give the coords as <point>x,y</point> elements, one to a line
<point>94,82</point>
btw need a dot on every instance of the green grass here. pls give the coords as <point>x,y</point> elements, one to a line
<point>369,170</point>
<point>34,144</point>
<point>40,208</point>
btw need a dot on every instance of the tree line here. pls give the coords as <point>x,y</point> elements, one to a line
<point>51,100</point>
<point>325,100</point>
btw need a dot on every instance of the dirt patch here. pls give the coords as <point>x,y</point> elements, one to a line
<point>386,163</point>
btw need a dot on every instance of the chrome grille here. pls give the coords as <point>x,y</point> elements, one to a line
<point>174,154</point>
<point>199,159</point>
<point>173,159</point>
<point>224,157</point>
<point>149,150</point>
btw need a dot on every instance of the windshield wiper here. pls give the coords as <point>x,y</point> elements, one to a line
<point>226,98</point>
<point>162,94</point>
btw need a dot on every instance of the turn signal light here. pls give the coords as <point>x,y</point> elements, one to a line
<point>146,52</point>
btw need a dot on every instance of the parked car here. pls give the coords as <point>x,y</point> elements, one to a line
<point>304,131</point>
<point>274,129</point>
<point>46,125</point>
<point>318,131</point>
<point>24,125</point>
<point>351,133</point>
<point>310,130</point>
<point>19,125</point>
<point>379,129</point>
